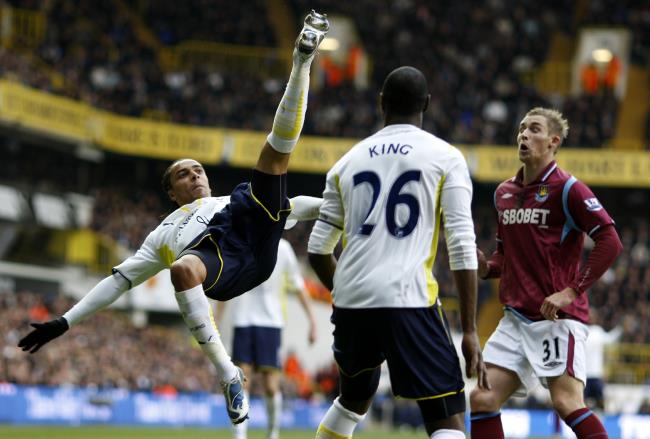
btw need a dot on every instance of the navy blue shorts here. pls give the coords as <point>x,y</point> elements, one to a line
<point>594,389</point>
<point>415,342</point>
<point>240,245</point>
<point>257,345</point>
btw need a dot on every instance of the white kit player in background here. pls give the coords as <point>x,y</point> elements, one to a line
<point>597,341</point>
<point>258,318</point>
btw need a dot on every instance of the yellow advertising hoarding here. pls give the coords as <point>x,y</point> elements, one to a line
<point>601,167</point>
<point>44,112</point>
<point>68,119</point>
<point>134,136</point>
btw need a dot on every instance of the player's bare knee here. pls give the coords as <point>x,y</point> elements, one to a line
<point>186,273</point>
<point>483,401</point>
<point>565,403</point>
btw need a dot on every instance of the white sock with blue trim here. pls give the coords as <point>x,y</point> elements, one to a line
<point>447,434</point>
<point>338,422</point>
<point>240,431</point>
<point>274,413</point>
<point>197,314</point>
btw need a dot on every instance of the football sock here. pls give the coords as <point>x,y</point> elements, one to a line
<point>338,422</point>
<point>447,434</point>
<point>240,430</point>
<point>290,114</point>
<point>487,425</point>
<point>586,425</point>
<point>197,313</point>
<point>274,413</point>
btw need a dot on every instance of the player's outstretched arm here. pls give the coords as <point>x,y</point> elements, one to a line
<point>43,333</point>
<point>102,295</point>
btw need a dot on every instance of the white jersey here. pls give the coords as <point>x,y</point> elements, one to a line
<point>263,305</point>
<point>163,245</point>
<point>385,197</point>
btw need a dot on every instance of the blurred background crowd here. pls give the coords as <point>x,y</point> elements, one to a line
<point>478,59</point>
<point>478,62</point>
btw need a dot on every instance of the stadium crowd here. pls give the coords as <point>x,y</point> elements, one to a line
<point>479,64</point>
<point>110,351</point>
<point>474,62</point>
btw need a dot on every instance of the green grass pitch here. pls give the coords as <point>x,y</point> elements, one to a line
<point>56,432</point>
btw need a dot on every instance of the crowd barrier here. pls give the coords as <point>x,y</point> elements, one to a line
<point>30,405</point>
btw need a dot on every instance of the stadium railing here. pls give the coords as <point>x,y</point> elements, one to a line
<point>228,57</point>
<point>22,27</point>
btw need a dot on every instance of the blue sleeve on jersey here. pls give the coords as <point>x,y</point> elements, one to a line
<point>570,223</point>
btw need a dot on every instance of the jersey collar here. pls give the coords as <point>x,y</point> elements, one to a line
<point>541,178</point>
<point>397,127</point>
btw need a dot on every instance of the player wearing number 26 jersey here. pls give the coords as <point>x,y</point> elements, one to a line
<point>386,199</point>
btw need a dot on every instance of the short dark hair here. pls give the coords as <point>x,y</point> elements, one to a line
<point>405,91</point>
<point>167,176</point>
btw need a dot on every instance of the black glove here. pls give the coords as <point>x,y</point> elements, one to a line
<point>42,333</point>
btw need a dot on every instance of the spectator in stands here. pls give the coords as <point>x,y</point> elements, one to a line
<point>106,64</point>
<point>590,77</point>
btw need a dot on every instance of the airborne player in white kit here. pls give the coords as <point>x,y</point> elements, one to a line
<point>385,198</point>
<point>214,247</point>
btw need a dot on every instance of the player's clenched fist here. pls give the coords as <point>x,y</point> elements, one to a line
<point>42,333</point>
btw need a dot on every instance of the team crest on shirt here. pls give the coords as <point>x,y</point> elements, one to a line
<point>593,205</point>
<point>542,193</point>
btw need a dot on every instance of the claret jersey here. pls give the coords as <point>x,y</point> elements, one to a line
<point>385,198</point>
<point>540,235</point>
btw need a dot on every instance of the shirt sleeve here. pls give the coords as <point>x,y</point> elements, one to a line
<point>145,263</point>
<point>304,208</point>
<point>329,226</point>
<point>107,291</point>
<point>606,249</point>
<point>456,203</point>
<point>586,211</point>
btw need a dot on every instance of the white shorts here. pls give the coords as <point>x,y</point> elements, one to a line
<point>537,350</point>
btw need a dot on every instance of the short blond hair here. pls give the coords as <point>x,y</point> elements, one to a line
<point>557,124</point>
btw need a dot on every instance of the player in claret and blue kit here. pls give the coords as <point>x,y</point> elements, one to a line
<point>543,216</point>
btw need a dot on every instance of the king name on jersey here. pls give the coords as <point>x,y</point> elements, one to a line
<point>387,149</point>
